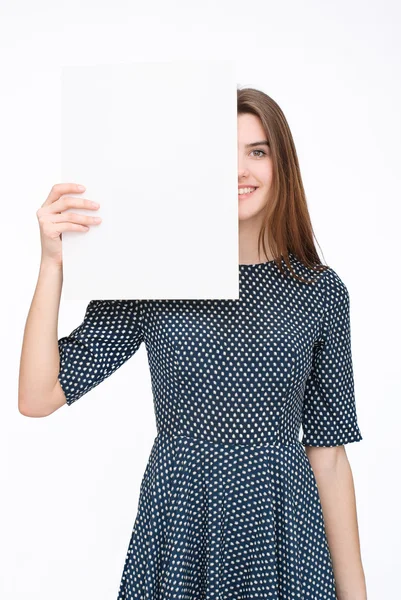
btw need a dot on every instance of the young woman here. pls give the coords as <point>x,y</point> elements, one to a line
<point>232,504</point>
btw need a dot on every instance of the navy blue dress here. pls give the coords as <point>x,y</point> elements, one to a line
<point>229,506</point>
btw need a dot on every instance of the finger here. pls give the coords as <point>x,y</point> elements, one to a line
<point>59,189</point>
<point>70,217</point>
<point>62,227</point>
<point>65,203</point>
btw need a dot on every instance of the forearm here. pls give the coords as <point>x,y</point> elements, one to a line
<point>337,494</point>
<point>39,363</point>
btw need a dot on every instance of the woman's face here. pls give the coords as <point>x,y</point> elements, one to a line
<point>254,166</point>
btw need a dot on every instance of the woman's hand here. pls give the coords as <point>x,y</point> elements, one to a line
<point>52,223</point>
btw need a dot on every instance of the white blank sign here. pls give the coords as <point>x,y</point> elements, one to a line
<point>155,143</point>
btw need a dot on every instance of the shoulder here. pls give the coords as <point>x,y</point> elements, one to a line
<point>113,304</point>
<point>336,291</point>
<point>113,308</point>
<point>327,284</point>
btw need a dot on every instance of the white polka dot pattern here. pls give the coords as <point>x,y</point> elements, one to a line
<point>107,337</point>
<point>229,506</point>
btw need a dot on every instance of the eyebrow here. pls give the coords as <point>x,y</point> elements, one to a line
<point>262,143</point>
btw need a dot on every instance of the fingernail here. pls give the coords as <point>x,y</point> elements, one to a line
<point>81,187</point>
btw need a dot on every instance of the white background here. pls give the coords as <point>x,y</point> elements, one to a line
<point>70,482</point>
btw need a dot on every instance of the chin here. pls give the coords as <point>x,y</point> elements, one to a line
<point>248,211</point>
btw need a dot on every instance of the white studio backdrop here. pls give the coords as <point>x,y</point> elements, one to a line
<point>70,482</point>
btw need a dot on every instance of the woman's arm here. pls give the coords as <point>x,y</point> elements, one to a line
<point>337,495</point>
<point>39,363</point>
<point>39,391</point>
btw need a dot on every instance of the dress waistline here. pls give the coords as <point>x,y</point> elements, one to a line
<point>210,441</point>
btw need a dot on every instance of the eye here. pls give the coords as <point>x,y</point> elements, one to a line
<point>262,151</point>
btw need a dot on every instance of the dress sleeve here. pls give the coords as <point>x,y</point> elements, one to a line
<point>110,333</point>
<point>329,410</point>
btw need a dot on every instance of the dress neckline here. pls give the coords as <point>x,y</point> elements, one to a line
<point>255,264</point>
<point>266,262</point>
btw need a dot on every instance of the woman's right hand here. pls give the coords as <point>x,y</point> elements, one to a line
<point>52,223</point>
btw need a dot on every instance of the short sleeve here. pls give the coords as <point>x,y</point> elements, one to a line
<point>329,409</point>
<point>110,333</point>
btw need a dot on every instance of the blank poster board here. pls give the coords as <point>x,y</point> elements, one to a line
<point>155,143</point>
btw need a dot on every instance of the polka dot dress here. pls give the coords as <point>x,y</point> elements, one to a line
<point>229,506</point>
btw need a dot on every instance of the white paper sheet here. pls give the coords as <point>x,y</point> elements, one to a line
<point>155,143</point>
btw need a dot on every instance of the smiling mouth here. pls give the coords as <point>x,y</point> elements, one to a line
<point>247,194</point>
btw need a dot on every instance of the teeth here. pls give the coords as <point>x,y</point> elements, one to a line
<point>245,190</point>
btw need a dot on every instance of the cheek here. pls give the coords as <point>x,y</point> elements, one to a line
<point>251,207</point>
<point>262,198</point>
<point>266,176</point>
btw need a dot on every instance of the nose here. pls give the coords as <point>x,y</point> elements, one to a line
<point>243,171</point>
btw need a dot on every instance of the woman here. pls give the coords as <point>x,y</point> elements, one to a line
<point>232,504</point>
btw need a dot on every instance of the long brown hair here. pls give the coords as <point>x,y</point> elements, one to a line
<point>287,221</point>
